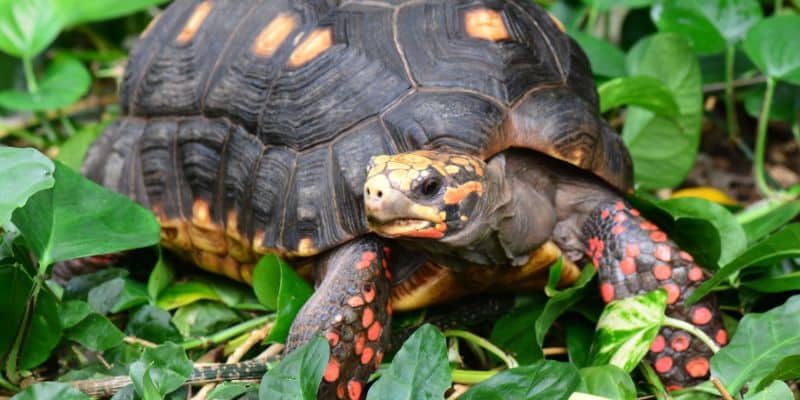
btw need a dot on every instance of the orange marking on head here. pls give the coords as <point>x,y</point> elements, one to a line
<point>367,317</point>
<point>697,367</point>
<point>456,194</point>
<point>627,265</point>
<point>695,274</point>
<point>354,390</point>
<point>686,256</point>
<point>680,342</point>
<point>333,338</point>
<point>366,356</point>
<point>673,292</point>
<point>360,341</point>
<point>663,252</point>
<point>617,229</point>
<point>663,364</point>
<point>368,255</point>
<point>658,344</point>
<point>658,236</point>
<point>701,315</point>
<point>721,337</point>
<point>662,272</point>
<point>486,24</point>
<point>316,43</point>
<point>632,250</point>
<point>194,22</point>
<point>332,371</point>
<point>273,35</point>
<point>355,301</point>
<point>362,264</point>
<point>374,331</point>
<point>607,292</point>
<point>369,292</point>
<point>620,217</point>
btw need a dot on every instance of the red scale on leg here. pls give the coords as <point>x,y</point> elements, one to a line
<point>658,236</point>
<point>355,301</point>
<point>361,340</point>
<point>369,292</point>
<point>673,292</point>
<point>658,344</point>
<point>632,250</point>
<point>367,317</point>
<point>663,253</point>
<point>680,342</point>
<point>333,338</point>
<point>701,315</point>
<point>697,367</point>
<point>604,214</point>
<point>607,291</point>
<point>627,265</point>
<point>662,272</point>
<point>617,230</point>
<point>332,371</point>
<point>340,391</point>
<point>663,364</point>
<point>374,331</point>
<point>721,337</point>
<point>648,226</point>
<point>618,206</point>
<point>367,355</point>
<point>620,217</point>
<point>354,390</point>
<point>695,274</point>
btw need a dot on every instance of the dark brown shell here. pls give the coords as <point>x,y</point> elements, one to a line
<point>254,120</point>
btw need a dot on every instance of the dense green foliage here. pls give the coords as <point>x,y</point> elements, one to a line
<point>656,62</point>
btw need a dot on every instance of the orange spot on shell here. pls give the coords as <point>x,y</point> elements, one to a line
<point>607,292</point>
<point>663,364</point>
<point>354,390</point>
<point>721,337</point>
<point>673,292</point>
<point>333,338</point>
<point>486,24</point>
<point>355,301</point>
<point>627,265</point>
<point>662,272</point>
<point>658,236</point>
<point>632,250</point>
<point>194,22</point>
<point>617,229</point>
<point>366,356</point>
<point>273,35</point>
<point>695,274</point>
<point>663,252</point>
<point>316,43</point>
<point>680,342</point>
<point>697,367</point>
<point>374,331</point>
<point>368,317</point>
<point>658,344</point>
<point>332,371</point>
<point>454,195</point>
<point>701,315</point>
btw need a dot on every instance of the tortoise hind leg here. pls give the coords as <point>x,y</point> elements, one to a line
<point>351,308</point>
<point>633,256</point>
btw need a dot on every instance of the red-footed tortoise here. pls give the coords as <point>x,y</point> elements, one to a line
<point>413,152</point>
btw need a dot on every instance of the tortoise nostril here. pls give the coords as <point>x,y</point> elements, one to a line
<point>368,192</point>
<point>380,193</point>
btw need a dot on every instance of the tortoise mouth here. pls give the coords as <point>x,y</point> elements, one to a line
<point>406,227</point>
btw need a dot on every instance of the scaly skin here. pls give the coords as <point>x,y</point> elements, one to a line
<point>633,257</point>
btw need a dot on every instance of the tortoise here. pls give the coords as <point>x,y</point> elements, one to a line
<point>400,153</point>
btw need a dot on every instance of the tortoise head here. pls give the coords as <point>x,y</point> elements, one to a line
<point>423,194</point>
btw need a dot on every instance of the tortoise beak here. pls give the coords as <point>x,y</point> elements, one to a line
<point>391,213</point>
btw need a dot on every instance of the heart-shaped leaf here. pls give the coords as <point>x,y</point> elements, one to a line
<point>166,366</point>
<point>95,332</point>
<point>642,91</point>
<point>771,46</point>
<point>299,374</point>
<point>65,81</point>
<point>23,172</point>
<point>278,287</point>
<point>419,370</point>
<point>606,59</point>
<point>626,329</point>
<point>153,324</point>
<point>541,380</point>
<point>710,25</point>
<point>203,318</point>
<point>609,381</point>
<point>77,218</point>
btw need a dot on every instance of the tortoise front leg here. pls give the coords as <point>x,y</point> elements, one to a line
<point>351,308</point>
<point>633,256</point>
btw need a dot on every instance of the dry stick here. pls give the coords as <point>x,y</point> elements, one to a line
<point>458,390</point>
<point>554,351</point>
<point>141,342</point>
<point>255,337</point>
<point>721,389</point>
<point>720,86</point>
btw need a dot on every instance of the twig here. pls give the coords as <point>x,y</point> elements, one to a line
<point>509,360</point>
<point>554,351</point>
<point>458,390</point>
<point>676,323</point>
<point>135,340</point>
<point>721,389</point>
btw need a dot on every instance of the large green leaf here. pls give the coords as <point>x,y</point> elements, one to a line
<point>664,149</point>
<point>627,327</point>
<point>23,172</point>
<point>710,25</point>
<point>760,343</point>
<point>419,370</point>
<point>788,368</point>
<point>642,91</point>
<point>95,332</point>
<point>513,332</point>
<point>166,366</point>
<point>73,150</point>
<point>609,381</point>
<point>65,81</point>
<point>606,59</point>
<point>776,391</point>
<point>203,318</point>
<point>298,376</point>
<point>278,287</point>
<point>542,380</point>
<point>51,390</point>
<point>764,218</point>
<point>772,46</point>
<point>784,243</point>
<point>77,218</point>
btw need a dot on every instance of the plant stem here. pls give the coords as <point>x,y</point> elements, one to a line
<point>8,386</point>
<point>678,324</point>
<point>471,377</point>
<point>730,105</point>
<point>12,363</point>
<point>30,78</point>
<point>226,334</point>
<point>592,21</point>
<point>778,7</point>
<point>761,140</point>
<point>510,361</point>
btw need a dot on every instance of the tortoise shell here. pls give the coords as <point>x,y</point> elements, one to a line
<point>248,125</point>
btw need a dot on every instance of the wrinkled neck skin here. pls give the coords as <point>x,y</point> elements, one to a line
<point>527,200</point>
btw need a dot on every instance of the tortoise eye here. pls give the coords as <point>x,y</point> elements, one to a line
<point>430,187</point>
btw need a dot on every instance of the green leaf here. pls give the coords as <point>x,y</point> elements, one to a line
<point>160,278</point>
<point>278,287</point>
<point>64,82</point>
<point>542,380</point>
<point>95,332</point>
<point>627,327</point>
<point>419,370</point>
<point>710,25</point>
<point>764,218</point>
<point>775,284</point>
<point>153,324</point>
<point>181,294</point>
<point>28,27</point>
<point>769,45</point>
<point>579,341</point>
<point>44,331</point>
<point>783,244</point>
<point>23,172</point>
<point>606,59</point>
<point>299,374</point>
<point>117,295</point>
<point>73,312</point>
<point>73,150</point>
<point>787,369</point>
<point>776,391</point>
<point>605,5</point>
<point>609,381</point>
<point>51,390</point>
<point>760,343</point>
<point>81,11</point>
<point>642,91</point>
<point>166,365</point>
<point>664,149</point>
<point>77,218</point>
<point>513,332</point>
<point>15,287</point>
<point>203,318</point>
<point>229,390</point>
<point>561,302</point>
